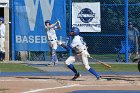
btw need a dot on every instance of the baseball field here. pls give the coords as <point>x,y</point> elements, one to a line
<point>37,77</point>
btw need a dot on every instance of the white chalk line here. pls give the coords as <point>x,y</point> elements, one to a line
<point>76,85</point>
<point>45,89</point>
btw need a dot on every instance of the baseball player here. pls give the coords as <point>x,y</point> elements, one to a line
<point>2,39</point>
<point>80,49</point>
<point>52,39</point>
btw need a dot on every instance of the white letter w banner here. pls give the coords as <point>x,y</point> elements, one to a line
<point>29,18</point>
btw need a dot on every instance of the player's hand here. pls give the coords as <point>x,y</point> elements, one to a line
<point>59,42</point>
<point>58,22</point>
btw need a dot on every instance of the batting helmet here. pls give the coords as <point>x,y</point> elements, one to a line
<point>2,19</point>
<point>48,21</point>
<point>75,30</point>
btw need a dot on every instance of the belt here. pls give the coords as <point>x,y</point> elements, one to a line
<point>1,37</point>
<point>80,52</point>
<point>52,40</point>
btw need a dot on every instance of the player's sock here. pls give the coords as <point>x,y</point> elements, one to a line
<point>56,59</point>
<point>72,68</point>
<point>3,56</point>
<point>91,70</point>
<point>53,56</point>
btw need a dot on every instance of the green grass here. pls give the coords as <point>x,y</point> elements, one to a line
<point>16,67</point>
<point>104,56</point>
<point>110,56</point>
<point>114,67</point>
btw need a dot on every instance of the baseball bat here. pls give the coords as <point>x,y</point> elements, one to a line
<point>100,62</point>
<point>60,38</point>
<point>105,64</point>
<point>58,21</point>
<point>67,40</point>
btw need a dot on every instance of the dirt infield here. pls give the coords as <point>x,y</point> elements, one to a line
<point>63,84</point>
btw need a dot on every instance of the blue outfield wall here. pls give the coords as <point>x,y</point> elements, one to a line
<point>28,23</point>
<point>28,33</point>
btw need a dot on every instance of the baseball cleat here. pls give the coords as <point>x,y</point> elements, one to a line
<point>76,76</point>
<point>99,77</point>
<point>51,64</point>
<point>55,63</point>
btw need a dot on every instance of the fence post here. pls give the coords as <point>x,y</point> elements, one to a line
<point>70,22</point>
<point>44,55</point>
<point>13,32</point>
<point>126,29</point>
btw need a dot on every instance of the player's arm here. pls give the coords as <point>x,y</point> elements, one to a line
<point>52,25</point>
<point>136,31</point>
<point>67,47</point>
<point>59,25</point>
<point>56,25</point>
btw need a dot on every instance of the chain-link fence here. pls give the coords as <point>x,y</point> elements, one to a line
<point>110,43</point>
<point>106,45</point>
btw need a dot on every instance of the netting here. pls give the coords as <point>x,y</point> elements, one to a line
<point>107,43</point>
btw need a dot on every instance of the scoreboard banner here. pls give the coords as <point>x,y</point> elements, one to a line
<point>86,16</point>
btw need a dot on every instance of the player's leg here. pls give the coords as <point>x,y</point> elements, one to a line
<point>3,55</point>
<point>3,49</point>
<point>86,64</point>
<point>51,63</point>
<point>54,55</point>
<point>69,63</point>
<point>0,55</point>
